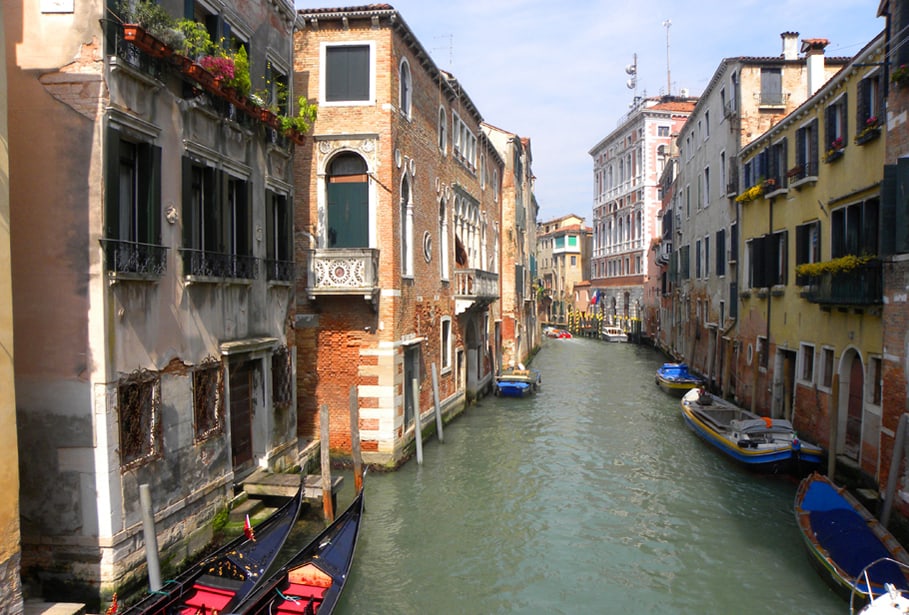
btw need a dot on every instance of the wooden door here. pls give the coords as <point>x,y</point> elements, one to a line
<point>241,413</point>
<point>854,414</point>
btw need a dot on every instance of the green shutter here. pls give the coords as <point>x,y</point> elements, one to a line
<point>112,184</point>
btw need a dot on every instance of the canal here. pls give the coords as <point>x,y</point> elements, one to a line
<point>591,497</point>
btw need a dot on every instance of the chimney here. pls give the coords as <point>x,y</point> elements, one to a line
<point>790,45</point>
<point>813,48</point>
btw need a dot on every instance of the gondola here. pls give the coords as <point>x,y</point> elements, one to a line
<point>311,581</point>
<point>852,550</point>
<point>223,579</point>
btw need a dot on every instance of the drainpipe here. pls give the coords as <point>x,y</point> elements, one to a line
<point>151,538</point>
<point>769,302</point>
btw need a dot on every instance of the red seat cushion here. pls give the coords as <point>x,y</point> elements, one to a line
<point>209,598</point>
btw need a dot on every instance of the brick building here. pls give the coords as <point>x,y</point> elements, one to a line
<point>399,226</point>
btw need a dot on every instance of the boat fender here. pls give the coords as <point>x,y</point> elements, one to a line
<point>768,421</point>
<point>796,445</point>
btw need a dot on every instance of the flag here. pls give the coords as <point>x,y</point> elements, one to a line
<point>594,299</point>
<point>248,530</point>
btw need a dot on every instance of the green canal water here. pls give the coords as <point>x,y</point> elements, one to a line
<point>591,497</point>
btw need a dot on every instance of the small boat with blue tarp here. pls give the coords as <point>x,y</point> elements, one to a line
<point>851,549</point>
<point>517,382</point>
<point>675,378</point>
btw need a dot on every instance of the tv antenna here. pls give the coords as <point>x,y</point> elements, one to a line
<point>632,70</point>
<point>450,38</point>
<point>667,24</point>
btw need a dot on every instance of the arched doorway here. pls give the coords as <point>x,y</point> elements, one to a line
<point>851,403</point>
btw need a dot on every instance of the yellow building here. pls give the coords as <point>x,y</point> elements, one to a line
<point>810,335</point>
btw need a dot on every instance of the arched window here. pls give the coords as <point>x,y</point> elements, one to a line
<point>443,240</point>
<point>347,190</point>
<point>406,89</point>
<point>406,228</point>
<point>443,130</point>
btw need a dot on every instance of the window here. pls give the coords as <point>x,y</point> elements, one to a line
<point>707,256</point>
<point>279,264</point>
<point>767,260</point>
<point>443,131</point>
<point>827,366</point>
<point>771,87</point>
<point>208,401</point>
<point>406,228</point>
<point>835,124</point>
<point>697,259</point>
<point>807,246</point>
<point>406,89</point>
<point>443,240</point>
<point>763,352</point>
<point>348,202</point>
<point>777,164</point>
<point>139,407</point>
<point>446,344</point>
<point>132,242</point>
<point>806,363</point>
<point>721,252</point>
<point>806,156</point>
<point>662,131</point>
<point>282,381</point>
<point>217,223</point>
<point>348,73</point>
<point>854,229</point>
<point>869,106</point>
<point>276,87</point>
<point>706,189</point>
<point>574,260</point>
<point>706,125</point>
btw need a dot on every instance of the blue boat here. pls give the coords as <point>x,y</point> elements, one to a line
<point>516,382</point>
<point>760,443</point>
<point>675,378</point>
<point>851,549</point>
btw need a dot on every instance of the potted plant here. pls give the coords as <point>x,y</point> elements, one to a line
<point>298,125</point>
<point>900,76</point>
<point>836,150</point>
<point>147,25</point>
<point>871,131</point>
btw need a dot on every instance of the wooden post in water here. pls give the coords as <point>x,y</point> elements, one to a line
<point>324,447</point>
<point>834,416</point>
<point>417,427</point>
<point>435,401</point>
<point>355,439</point>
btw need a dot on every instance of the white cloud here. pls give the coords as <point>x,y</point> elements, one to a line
<point>555,72</point>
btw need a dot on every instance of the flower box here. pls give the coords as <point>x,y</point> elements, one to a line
<point>868,134</point>
<point>833,155</point>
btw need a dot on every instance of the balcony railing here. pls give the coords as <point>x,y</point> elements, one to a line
<point>343,271</point>
<point>474,288</point>
<point>131,257</point>
<point>771,99</point>
<point>860,286</point>
<point>279,271</point>
<point>217,265</point>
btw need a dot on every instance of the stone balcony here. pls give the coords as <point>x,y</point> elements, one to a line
<point>474,288</point>
<point>343,271</point>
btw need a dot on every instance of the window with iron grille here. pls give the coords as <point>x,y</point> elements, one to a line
<point>281,378</point>
<point>139,407</point>
<point>806,151</point>
<point>208,399</point>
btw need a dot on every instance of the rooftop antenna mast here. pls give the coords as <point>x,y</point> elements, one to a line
<point>632,70</point>
<point>667,24</point>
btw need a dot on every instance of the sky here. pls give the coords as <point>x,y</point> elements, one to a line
<point>555,71</point>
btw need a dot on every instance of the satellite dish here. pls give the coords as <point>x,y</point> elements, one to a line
<point>631,69</point>
<point>630,84</point>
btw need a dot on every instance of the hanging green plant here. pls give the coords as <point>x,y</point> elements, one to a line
<point>843,264</point>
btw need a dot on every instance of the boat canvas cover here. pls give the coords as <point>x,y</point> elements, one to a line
<point>760,425</point>
<point>846,537</point>
<point>675,371</point>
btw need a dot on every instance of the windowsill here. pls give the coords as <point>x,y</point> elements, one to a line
<point>125,276</point>
<point>201,279</point>
<point>776,193</point>
<point>778,290</point>
<point>798,184</point>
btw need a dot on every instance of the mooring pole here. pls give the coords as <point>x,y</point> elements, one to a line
<point>355,439</point>
<point>435,401</point>
<point>417,427</point>
<point>834,415</point>
<point>151,538</point>
<point>899,450</point>
<point>325,449</point>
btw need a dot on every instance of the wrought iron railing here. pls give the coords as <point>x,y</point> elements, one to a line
<point>142,259</point>
<point>342,271</point>
<point>860,286</point>
<point>206,264</point>
<point>279,271</point>
<point>476,284</point>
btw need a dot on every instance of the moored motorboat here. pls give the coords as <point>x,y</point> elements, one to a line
<point>614,334</point>
<point>225,578</point>
<point>675,378</point>
<point>851,549</point>
<point>760,443</point>
<point>517,382</point>
<point>312,580</point>
<point>893,601</point>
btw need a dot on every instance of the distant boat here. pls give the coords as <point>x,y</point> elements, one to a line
<point>760,443</point>
<point>675,378</point>
<point>614,334</point>
<point>851,549</point>
<point>222,580</point>
<point>516,382</point>
<point>557,333</point>
<point>311,582</point>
